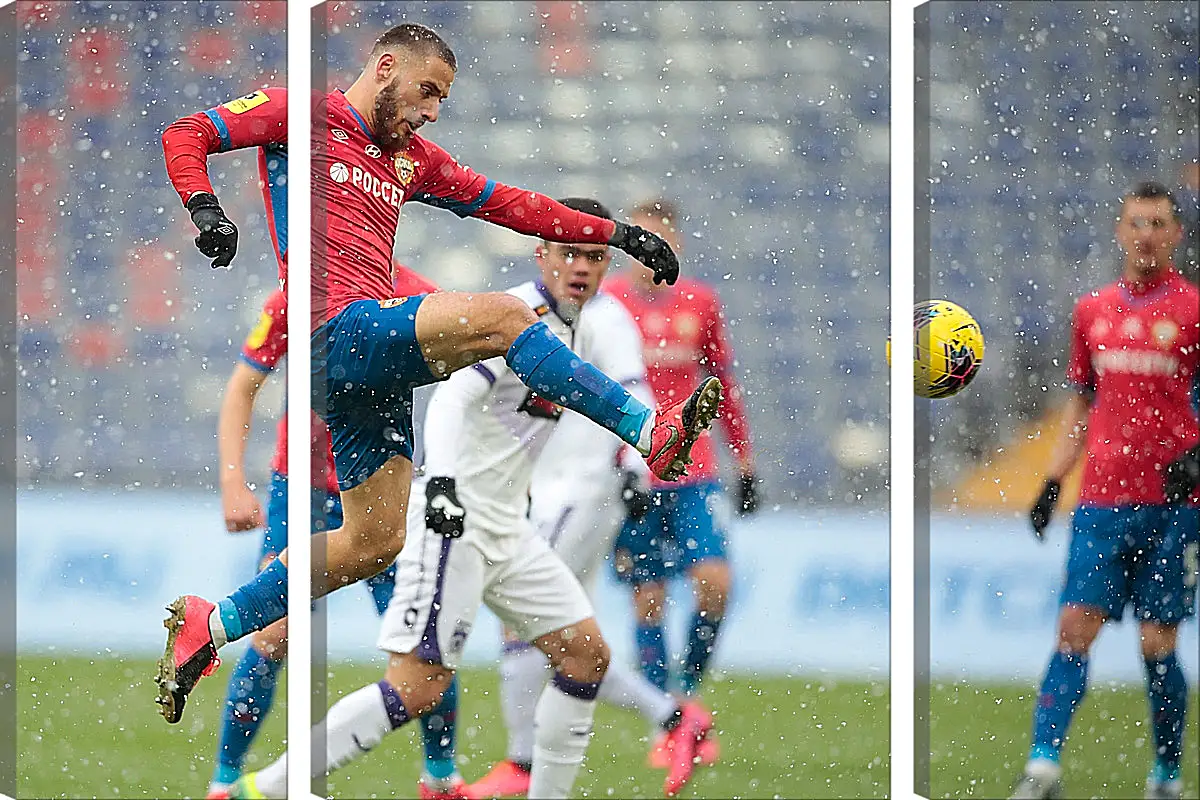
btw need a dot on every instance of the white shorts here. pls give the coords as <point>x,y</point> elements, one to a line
<point>440,584</point>
<point>580,524</point>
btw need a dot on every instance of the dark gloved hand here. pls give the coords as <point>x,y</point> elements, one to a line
<point>748,495</point>
<point>635,494</point>
<point>648,248</point>
<point>443,513</point>
<point>1043,509</point>
<point>218,236</point>
<point>1183,476</point>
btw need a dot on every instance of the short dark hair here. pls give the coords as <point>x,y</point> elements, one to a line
<point>1153,190</point>
<point>588,206</point>
<point>659,208</point>
<point>415,37</point>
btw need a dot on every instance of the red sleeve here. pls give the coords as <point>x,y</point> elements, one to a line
<point>1079,363</point>
<point>408,283</point>
<point>257,120</point>
<point>447,184</point>
<point>266,344</point>
<point>719,358</point>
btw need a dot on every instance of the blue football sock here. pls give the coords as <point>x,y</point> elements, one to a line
<point>381,587</point>
<point>1167,690</point>
<point>550,368</point>
<point>256,604</point>
<point>1062,691</point>
<point>437,730</point>
<point>701,642</point>
<point>248,700</point>
<point>652,653</point>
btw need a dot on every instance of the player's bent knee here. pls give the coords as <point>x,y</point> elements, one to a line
<point>1078,627</point>
<point>1158,640</point>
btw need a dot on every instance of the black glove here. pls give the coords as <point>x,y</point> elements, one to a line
<point>1183,476</point>
<point>648,248</point>
<point>635,495</point>
<point>218,236</point>
<point>443,513</point>
<point>1043,509</point>
<point>748,496</point>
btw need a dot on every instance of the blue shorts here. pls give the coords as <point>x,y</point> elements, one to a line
<point>326,515</point>
<point>1144,555</point>
<point>684,526</point>
<point>366,363</point>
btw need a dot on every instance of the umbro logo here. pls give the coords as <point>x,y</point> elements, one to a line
<point>339,134</point>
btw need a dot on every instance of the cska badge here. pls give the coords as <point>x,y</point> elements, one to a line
<point>405,168</point>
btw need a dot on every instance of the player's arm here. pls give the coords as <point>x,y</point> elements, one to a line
<point>734,423</point>
<point>242,509</point>
<point>1073,432</point>
<point>451,186</point>
<point>256,120</point>
<point>443,432</point>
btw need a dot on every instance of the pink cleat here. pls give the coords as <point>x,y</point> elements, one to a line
<point>681,747</point>
<point>190,654</point>
<point>458,790</point>
<point>505,780</point>
<point>678,426</point>
<point>708,749</point>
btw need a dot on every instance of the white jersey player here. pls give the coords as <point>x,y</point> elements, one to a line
<point>471,543</point>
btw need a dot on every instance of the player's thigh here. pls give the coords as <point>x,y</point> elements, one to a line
<point>1164,586</point>
<point>366,363</point>
<point>457,329</point>
<point>534,593</point>
<point>275,534</point>
<point>439,587</point>
<point>1097,574</point>
<point>374,511</point>
<point>641,553</point>
<point>699,524</point>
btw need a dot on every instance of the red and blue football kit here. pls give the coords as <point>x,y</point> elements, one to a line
<point>364,339</point>
<point>683,336</point>
<point>257,120</point>
<point>1136,352</point>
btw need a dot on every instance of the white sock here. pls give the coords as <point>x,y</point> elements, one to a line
<point>624,688</point>
<point>644,438</point>
<point>272,781</point>
<point>562,731</point>
<point>216,628</point>
<point>523,674</point>
<point>355,725</point>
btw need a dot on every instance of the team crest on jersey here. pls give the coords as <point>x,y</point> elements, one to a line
<point>244,104</point>
<point>542,310</point>
<point>373,151</point>
<point>1165,333</point>
<point>339,134</point>
<point>406,168</point>
<point>392,302</point>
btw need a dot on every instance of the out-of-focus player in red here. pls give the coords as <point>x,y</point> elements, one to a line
<point>371,349</point>
<point>685,530</point>
<point>1134,363</point>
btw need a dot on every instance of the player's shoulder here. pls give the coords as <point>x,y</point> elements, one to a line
<point>529,292</point>
<point>1098,298</point>
<point>407,282</point>
<point>276,304</point>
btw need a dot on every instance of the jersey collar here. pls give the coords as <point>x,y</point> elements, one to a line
<point>550,301</point>
<point>362,123</point>
<point>1144,291</point>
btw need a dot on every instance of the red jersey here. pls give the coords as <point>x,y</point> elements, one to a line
<point>1139,351</point>
<point>265,347</point>
<point>257,120</point>
<point>683,334</point>
<point>360,188</point>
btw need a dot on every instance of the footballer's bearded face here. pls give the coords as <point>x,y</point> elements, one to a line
<point>413,88</point>
<point>572,273</point>
<point>1148,232</point>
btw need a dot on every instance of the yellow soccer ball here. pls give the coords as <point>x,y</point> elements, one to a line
<point>947,348</point>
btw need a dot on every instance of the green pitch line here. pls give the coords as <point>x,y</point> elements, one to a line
<point>89,728</point>
<point>980,740</point>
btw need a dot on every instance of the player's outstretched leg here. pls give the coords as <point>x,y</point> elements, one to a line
<point>455,330</point>
<point>196,629</point>
<point>248,701</point>
<point>1166,689</point>
<point>1060,696</point>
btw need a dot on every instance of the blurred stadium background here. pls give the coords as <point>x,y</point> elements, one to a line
<point>1043,114</point>
<point>767,121</point>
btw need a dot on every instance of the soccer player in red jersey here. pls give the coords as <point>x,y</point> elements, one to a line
<point>372,348</point>
<point>1134,362</point>
<point>684,333</point>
